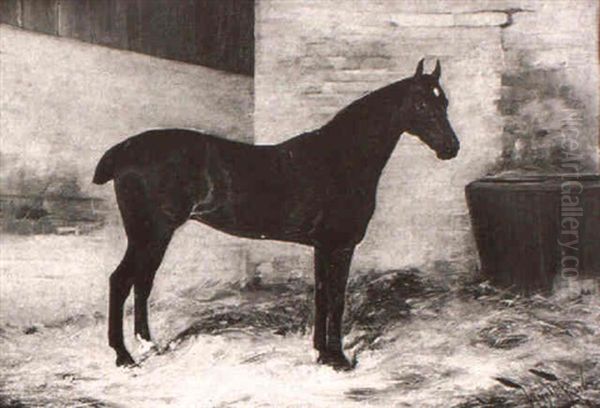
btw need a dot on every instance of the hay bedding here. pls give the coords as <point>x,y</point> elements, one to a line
<point>549,346</point>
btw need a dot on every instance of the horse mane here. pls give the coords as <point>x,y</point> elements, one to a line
<point>369,104</point>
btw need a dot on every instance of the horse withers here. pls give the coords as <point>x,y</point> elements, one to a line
<point>316,189</point>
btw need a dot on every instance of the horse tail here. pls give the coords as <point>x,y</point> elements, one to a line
<point>105,170</point>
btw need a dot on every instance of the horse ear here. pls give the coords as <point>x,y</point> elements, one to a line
<point>437,70</point>
<point>419,71</point>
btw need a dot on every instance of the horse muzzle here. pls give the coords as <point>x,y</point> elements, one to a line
<point>448,152</point>
<point>450,145</point>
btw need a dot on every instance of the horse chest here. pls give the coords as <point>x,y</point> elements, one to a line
<point>341,215</point>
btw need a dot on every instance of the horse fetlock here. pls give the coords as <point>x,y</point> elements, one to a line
<point>320,346</point>
<point>145,346</point>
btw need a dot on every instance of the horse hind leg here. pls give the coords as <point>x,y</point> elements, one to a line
<point>152,254</point>
<point>137,269</point>
<point>120,284</point>
<point>149,232</point>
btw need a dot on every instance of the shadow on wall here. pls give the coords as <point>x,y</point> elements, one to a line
<point>545,123</point>
<point>32,202</point>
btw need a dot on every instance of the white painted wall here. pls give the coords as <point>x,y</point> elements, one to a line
<point>64,102</point>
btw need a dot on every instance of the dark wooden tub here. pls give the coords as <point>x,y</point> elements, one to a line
<point>538,232</point>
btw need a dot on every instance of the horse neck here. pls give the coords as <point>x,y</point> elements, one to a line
<point>365,133</point>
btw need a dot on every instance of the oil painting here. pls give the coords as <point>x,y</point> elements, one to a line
<point>293,203</point>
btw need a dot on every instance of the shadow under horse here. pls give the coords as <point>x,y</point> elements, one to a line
<point>318,189</point>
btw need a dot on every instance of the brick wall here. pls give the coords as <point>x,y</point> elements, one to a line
<point>549,90</point>
<point>313,58</point>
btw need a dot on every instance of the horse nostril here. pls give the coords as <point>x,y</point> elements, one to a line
<point>449,151</point>
<point>453,148</point>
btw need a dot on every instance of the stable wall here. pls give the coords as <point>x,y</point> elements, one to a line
<point>217,34</point>
<point>64,102</point>
<point>312,59</point>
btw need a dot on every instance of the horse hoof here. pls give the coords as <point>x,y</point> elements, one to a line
<point>343,365</point>
<point>125,360</point>
<point>337,361</point>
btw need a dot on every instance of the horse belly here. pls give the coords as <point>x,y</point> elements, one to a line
<point>257,218</point>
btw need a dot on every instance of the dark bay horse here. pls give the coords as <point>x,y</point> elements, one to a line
<point>317,189</point>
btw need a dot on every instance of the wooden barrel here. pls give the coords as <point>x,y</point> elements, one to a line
<point>538,232</point>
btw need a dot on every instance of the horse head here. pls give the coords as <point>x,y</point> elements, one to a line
<point>426,106</point>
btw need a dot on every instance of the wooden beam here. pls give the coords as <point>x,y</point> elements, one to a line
<point>40,15</point>
<point>11,12</point>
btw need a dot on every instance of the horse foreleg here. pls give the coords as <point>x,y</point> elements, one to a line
<point>320,327</point>
<point>337,265</point>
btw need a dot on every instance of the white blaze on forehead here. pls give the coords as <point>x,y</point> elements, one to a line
<point>436,91</point>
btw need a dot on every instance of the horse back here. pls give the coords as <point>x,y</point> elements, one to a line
<point>235,187</point>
